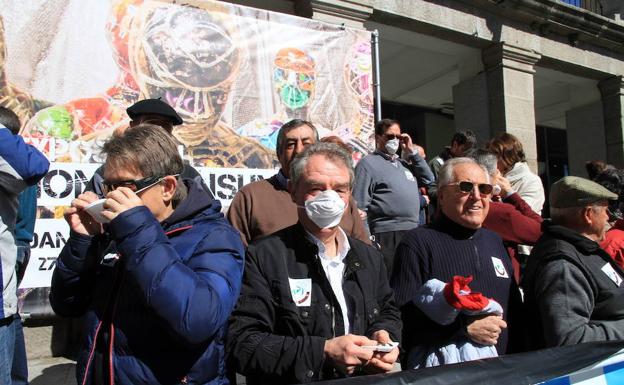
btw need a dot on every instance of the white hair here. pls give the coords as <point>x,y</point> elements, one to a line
<point>445,176</point>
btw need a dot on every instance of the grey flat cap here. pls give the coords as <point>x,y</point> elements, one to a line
<point>573,191</point>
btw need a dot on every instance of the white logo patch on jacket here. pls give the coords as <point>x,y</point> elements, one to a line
<point>612,274</point>
<point>499,268</point>
<point>301,291</point>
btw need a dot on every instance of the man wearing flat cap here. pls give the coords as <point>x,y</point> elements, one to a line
<point>574,292</point>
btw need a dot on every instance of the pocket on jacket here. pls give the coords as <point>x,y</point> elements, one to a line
<point>372,310</point>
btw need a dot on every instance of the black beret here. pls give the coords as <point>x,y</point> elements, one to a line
<point>155,107</point>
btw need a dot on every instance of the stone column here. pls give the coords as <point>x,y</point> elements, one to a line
<point>509,72</point>
<point>586,137</point>
<point>471,107</point>
<point>612,92</point>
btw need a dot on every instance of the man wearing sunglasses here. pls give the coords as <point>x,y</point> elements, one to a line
<point>454,244</point>
<point>387,187</point>
<point>574,291</point>
<point>158,281</point>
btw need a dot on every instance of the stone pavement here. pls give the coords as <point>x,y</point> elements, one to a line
<point>43,369</point>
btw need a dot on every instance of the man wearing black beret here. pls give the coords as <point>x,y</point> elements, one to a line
<point>153,111</point>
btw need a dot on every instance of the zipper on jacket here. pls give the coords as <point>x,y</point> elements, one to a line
<point>476,251</point>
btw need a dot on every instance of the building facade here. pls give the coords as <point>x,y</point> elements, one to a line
<point>547,71</point>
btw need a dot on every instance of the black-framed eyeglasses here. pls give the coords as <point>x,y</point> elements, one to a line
<point>136,185</point>
<point>468,187</point>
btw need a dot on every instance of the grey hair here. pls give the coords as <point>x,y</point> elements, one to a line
<point>486,159</point>
<point>445,176</point>
<point>149,150</point>
<point>330,151</point>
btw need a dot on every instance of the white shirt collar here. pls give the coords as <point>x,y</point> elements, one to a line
<point>343,245</point>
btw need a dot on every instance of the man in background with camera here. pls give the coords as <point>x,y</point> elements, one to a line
<point>386,186</point>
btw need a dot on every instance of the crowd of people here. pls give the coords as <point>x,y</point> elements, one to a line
<point>324,270</point>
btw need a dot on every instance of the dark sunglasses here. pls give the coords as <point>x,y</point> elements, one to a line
<point>468,187</point>
<point>136,185</point>
<point>392,136</point>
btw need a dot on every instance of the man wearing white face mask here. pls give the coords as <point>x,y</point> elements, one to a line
<point>387,187</point>
<point>315,302</point>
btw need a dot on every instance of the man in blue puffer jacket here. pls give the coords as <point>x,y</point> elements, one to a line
<point>158,282</point>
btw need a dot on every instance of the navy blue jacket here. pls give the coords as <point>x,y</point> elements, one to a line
<point>157,297</point>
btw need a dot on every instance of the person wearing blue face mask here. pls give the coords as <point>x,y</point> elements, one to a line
<point>315,302</point>
<point>387,186</point>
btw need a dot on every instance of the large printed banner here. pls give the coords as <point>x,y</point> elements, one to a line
<point>234,74</point>
<point>69,69</point>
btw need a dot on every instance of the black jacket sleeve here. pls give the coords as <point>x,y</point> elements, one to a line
<point>389,318</point>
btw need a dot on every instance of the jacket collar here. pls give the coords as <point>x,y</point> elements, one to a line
<point>580,242</point>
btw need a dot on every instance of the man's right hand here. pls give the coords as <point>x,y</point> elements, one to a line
<point>346,351</point>
<point>485,329</point>
<point>78,219</point>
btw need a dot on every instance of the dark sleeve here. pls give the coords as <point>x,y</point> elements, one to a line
<point>254,348</point>
<point>194,297</point>
<point>389,318</point>
<point>73,279</point>
<point>565,303</point>
<point>516,321</point>
<point>238,216</point>
<point>410,272</point>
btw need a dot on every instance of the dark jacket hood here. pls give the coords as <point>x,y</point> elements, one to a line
<point>198,204</point>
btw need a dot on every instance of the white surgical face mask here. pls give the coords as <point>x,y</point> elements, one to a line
<point>392,146</point>
<point>325,209</point>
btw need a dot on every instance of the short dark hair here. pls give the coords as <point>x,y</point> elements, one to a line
<point>289,126</point>
<point>467,138</point>
<point>383,125</point>
<point>10,120</point>
<point>613,180</point>
<point>596,167</point>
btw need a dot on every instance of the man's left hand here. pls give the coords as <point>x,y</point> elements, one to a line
<point>382,362</point>
<point>120,200</point>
